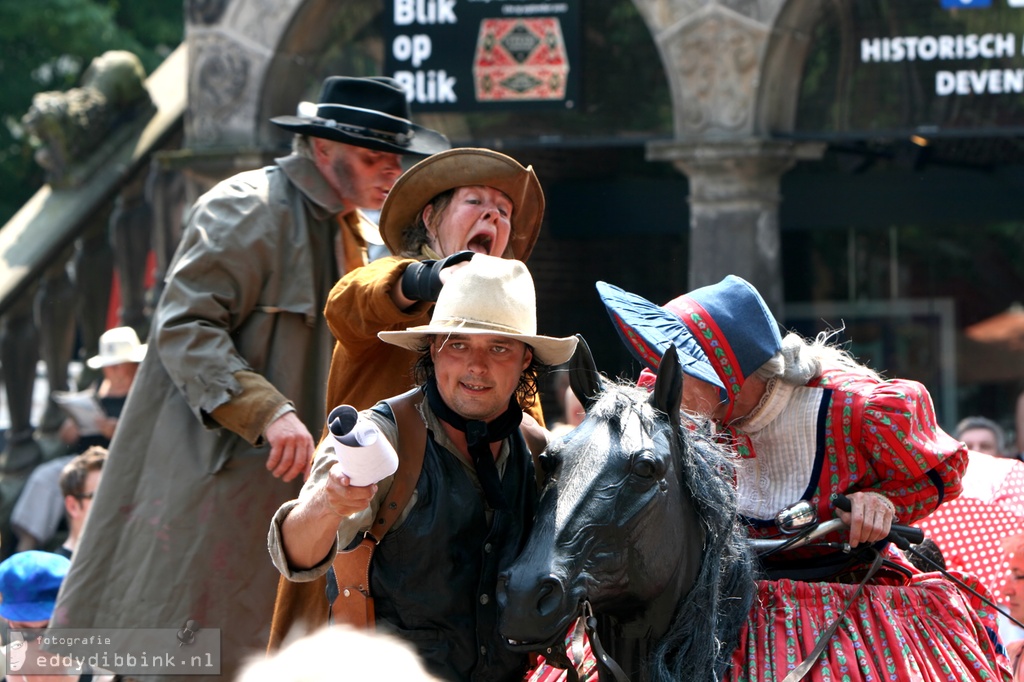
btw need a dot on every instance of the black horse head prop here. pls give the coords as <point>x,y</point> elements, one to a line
<point>637,518</point>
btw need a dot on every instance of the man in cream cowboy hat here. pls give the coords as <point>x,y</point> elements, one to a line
<point>444,209</point>
<point>434,580</point>
<point>231,389</point>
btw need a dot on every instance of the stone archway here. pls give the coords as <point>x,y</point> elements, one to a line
<point>730,63</point>
<point>317,43</point>
<point>732,67</point>
<point>254,59</point>
<point>230,47</point>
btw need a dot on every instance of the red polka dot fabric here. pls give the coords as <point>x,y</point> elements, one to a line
<point>970,529</point>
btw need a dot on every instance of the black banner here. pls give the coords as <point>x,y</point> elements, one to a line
<point>484,55</point>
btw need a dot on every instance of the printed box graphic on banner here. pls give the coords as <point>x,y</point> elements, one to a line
<point>485,55</point>
<point>520,59</point>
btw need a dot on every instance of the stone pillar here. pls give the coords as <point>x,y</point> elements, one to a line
<point>734,202</point>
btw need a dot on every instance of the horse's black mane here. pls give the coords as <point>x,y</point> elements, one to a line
<point>617,399</point>
<point>700,636</point>
<point>701,640</point>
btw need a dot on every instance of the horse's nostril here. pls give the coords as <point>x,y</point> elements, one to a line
<point>549,599</point>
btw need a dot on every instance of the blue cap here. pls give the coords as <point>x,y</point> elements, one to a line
<point>29,582</point>
<point>723,332</point>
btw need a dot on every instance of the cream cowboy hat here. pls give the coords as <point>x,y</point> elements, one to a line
<point>117,346</point>
<point>488,295</point>
<point>461,167</point>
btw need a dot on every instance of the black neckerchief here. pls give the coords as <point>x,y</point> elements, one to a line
<point>479,436</point>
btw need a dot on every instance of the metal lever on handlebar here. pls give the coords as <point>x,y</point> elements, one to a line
<point>899,535</point>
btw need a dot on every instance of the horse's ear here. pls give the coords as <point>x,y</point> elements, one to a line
<point>668,388</point>
<point>584,378</point>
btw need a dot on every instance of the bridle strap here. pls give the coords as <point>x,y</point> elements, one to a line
<point>578,636</point>
<point>557,658</point>
<point>799,672</point>
<point>607,668</point>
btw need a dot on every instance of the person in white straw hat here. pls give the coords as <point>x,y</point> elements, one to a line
<point>118,345</point>
<point>120,353</point>
<point>433,580</point>
<point>40,508</point>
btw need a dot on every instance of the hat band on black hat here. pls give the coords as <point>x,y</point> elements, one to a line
<point>714,343</point>
<point>372,112</point>
<point>401,139</point>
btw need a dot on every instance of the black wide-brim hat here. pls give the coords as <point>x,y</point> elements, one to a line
<point>364,112</point>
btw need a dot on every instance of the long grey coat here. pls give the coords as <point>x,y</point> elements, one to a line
<point>178,526</point>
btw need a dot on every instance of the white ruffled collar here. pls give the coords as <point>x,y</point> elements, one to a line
<point>776,396</point>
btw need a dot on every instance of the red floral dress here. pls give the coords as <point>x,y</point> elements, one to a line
<point>866,435</point>
<point>846,432</point>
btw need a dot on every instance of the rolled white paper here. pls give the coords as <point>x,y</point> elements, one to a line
<point>364,453</point>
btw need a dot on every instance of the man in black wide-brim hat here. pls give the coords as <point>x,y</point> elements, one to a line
<point>215,436</point>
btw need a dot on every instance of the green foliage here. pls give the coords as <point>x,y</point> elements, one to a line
<point>46,44</point>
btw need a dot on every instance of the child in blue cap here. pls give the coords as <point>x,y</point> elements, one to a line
<point>29,582</point>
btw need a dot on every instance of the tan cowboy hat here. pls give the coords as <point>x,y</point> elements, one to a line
<point>117,346</point>
<point>488,295</point>
<point>364,112</point>
<point>461,167</point>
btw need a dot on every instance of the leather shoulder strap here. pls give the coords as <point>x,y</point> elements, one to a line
<point>348,580</point>
<point>412,442</point>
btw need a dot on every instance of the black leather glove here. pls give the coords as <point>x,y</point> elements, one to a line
<point>422,281</point>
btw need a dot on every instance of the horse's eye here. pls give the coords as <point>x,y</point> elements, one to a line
<point>646,466</point>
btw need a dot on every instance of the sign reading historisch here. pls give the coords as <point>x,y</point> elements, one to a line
<point>474,55</point>
<point>958,48</point>
<point>916,66</point>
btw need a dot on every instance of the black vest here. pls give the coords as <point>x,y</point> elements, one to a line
<point>433,578</point>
